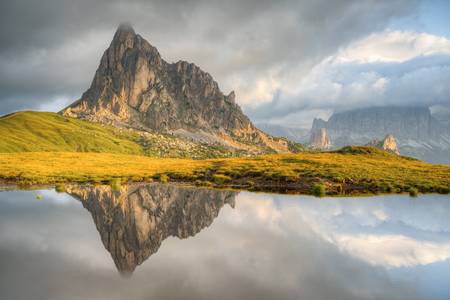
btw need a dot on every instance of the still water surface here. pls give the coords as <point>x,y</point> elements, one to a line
<point>166,242</point>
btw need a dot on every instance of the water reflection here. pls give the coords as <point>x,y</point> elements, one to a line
<point>135,220</point>
<point>258,247</point>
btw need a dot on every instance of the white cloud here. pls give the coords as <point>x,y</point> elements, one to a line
<point>379,230</point>
<point>393,250</point>
<point>387,68</point>
<point>394,46</point>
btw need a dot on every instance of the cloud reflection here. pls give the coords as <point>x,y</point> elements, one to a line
<point>267,247</point>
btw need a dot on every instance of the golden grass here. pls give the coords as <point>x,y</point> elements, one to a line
<point>368,170</point>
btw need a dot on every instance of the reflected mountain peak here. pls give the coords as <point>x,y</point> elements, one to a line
<point>134,220</point>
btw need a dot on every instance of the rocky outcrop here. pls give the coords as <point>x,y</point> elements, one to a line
<point>319,139</point>
<point>417,132</point>
<point>135,220</point>
<point>388,144</point>
<point>135,87</point>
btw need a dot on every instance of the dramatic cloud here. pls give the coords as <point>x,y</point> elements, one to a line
<point>387,68</point>
<point>51,48</point>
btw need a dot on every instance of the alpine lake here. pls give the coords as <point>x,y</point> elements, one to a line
<point>165,241</point>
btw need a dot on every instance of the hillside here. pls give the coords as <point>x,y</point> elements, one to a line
<point>340,172</point>
<point>43,131</point>
<point>135,87</point>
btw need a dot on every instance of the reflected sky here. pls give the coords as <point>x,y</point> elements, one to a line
<point>212,245</point>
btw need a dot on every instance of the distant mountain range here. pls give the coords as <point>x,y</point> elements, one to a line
<point>134,87</point>
<point>417,132</point>
<point>300,135</point>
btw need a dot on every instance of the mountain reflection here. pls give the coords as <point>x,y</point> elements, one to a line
<point>135,220</point>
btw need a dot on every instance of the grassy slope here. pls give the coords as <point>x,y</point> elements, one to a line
<point>41,131</point>
<point>357,169</point>
<point>50,132</point>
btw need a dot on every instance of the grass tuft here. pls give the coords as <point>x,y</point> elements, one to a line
<point>413,192</point>
<point>318,190</point>
<point>60,188</point>
<point>115,184</point>
<point>163,178</point>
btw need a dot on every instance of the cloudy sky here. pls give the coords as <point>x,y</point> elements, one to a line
<point>288,61</point>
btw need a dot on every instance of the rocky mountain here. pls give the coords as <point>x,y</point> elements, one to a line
<point>388,144</point>
<point>417,132</point>
<point>299,135</point>
<point>135,220</point>
<point>135,87</point>
<point>319,139</point>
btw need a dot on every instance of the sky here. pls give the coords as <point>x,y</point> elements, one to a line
<point>288,61</point>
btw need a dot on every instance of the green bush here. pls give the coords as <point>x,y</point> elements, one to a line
<point>60,188</point>
<point>390,188</point>
<point>163,178</point>
<point>318,190</point>
<point>115,184</point>
<point>413,192</point>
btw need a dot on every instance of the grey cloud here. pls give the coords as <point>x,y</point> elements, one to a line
<point>63,257</point>
<point>421,81</point>
<point>50,48</point>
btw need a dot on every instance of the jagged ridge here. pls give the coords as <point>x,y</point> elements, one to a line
<point>135,87</point>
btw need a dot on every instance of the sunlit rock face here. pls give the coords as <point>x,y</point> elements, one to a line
<point>135,87</point>
<point>388,144</point>
<point>134,220</point>
<point>319,139</point>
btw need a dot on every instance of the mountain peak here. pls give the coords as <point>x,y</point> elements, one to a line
<point>125,27</point>
<point>124,35</point>
<point>134,87</point>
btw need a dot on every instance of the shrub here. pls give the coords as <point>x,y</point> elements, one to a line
<point>60,188</point>
<point>443,190</point>
<point>318,190</point>
<point>115,184</point>
<point>163,178</point>
<point>413,192</point>
<point>390,188</point>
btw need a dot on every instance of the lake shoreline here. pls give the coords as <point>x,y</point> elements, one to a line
<point>352,171</point>
<point>276,190</point>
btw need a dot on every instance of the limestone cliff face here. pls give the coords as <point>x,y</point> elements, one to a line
<point>388,144</point>
<point>135,87</point>
<point>134,221</point>
<point>416,131</point>
<point>319,139</point>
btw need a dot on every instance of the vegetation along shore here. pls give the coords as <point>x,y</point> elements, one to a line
<point>351,170</point>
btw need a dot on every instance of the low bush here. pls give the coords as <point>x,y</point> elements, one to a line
<point>115,184</point>
<point>413,192</point>
<point>60,188</point>
<point>163,178</point>
<point>318,190</point>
